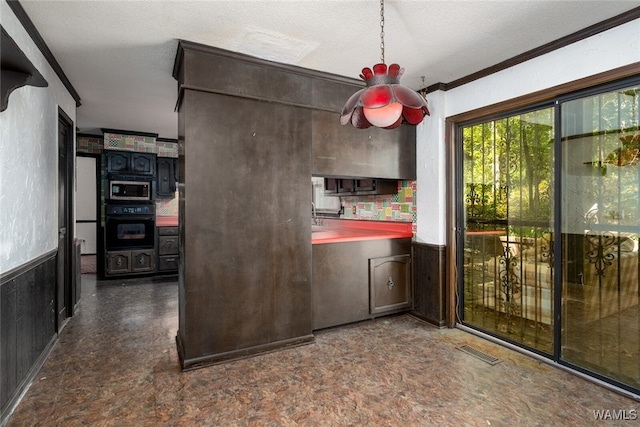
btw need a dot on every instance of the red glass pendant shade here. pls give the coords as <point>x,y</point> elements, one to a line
<point>384,102</point>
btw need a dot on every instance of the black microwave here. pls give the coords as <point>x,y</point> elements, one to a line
<point>130,190</point>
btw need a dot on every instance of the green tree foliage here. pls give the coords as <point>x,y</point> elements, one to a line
<point>508,165</point>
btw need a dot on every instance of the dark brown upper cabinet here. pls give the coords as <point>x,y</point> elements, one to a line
<point>130,163</point>
<point>167,176</point>
<point>359,187</point>
<point>344,151</point>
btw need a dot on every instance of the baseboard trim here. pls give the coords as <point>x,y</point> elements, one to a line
<point>440,324</point>
<point>214,359</point>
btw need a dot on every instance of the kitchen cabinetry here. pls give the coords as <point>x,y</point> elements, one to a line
<point>359,187</point>
<point>130,262</point>
<point>331,186</point>
<point>252,252</point>
<point>245,279</point>
<point>168,249</point>
<point>349,152</point>
<point>341,287</point>
<point>130,163</point>
<point>389,284</point>
<point>167,176</point>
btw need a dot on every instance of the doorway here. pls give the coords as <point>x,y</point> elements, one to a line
<point>87,190</point>
<point>65,255</point>
<point>550,219</point>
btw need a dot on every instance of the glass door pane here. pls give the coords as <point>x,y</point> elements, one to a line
<point>600,207</point>
<point>507,241</point>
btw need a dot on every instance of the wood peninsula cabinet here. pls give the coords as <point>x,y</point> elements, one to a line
<point>246,272</point>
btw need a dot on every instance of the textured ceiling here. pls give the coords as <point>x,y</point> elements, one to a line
<point>119,55</point>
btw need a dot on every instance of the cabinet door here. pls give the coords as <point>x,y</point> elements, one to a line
<point>142,261</point>
<point>167,245</point>
<point>346,185</point>
<point>118,262</point>
<point>346,151</point>
<point>143,163</point>
<point>166,177</point>
<point>330,186</point>
<point>390,283</point>
<point>365,184</point>
<point>118,161</point>
<point>168,263</point>
<point>376,186</point>
<point>167,231</point>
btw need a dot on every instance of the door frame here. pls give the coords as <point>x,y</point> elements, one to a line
<point>69,266</point>
<point>559,94</point>
<point>98,204</point>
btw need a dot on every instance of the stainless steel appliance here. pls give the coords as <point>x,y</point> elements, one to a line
<point>138,190</point>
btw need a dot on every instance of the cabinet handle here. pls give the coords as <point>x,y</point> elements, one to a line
<point>390,283</point>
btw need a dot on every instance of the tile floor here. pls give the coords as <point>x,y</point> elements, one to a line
<point>115,364</point>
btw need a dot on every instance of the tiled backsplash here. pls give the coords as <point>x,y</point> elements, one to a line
<point>167,206</point>
<point>139,143</point>
<point>400,207</point>
<point>89,144</point>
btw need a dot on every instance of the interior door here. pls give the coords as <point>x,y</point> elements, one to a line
<point>64,305</point>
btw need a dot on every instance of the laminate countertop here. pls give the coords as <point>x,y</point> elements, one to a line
<point>340,230</point>
<point>166,221</point>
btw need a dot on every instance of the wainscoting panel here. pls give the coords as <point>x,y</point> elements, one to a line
<point>27,316</point>
<point>429,283</point>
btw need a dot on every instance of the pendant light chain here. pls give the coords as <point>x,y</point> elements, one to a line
<point>382,31</point>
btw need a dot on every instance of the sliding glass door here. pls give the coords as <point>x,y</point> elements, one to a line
<point>507,194</point>
<point>549,213</point>
<point>600,226</point>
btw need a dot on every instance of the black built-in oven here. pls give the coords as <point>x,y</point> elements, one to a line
<point>130,226</point>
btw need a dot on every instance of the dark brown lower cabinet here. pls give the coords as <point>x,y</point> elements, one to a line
<point>389,284</point>
<point>168,249</point>
<point>341,280</point>
<point>130,262</point>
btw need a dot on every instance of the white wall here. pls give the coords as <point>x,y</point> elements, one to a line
<point>605,51</point>
<point>29,158</point>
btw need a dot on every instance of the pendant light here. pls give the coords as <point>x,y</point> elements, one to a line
<point>384,103</point>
